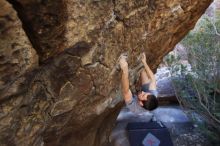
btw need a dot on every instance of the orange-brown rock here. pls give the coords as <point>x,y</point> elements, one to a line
<point>17,55</point>
<point>73,97</point>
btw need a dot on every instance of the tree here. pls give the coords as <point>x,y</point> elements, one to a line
<point>198,88</point>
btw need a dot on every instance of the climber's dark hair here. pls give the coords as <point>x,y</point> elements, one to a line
<point>151,103</point>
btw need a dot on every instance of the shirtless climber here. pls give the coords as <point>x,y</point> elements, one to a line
<point>146,99</point>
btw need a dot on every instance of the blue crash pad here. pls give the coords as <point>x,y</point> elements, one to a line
<point>148,134</point>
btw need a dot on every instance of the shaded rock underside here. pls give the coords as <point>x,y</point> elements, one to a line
<point>71,95</point>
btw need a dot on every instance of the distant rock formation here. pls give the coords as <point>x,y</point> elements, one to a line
<point>70,96</point>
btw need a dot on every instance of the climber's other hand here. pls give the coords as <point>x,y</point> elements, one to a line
<point>143,57</point>
<point>123,62</point>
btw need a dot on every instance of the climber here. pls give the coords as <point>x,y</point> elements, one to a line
<point>146,99</point>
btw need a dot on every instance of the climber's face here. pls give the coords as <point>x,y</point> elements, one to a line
<point>142,96</point>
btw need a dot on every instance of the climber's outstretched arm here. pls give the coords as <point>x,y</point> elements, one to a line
<point>149,72</point>
<point>124,79</point>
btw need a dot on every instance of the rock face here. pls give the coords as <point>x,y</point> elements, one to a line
<point>73,97</point>
<point>17,55</point>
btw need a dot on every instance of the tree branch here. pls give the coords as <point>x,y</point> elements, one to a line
<point>200,101</point>
<point>214,26</point>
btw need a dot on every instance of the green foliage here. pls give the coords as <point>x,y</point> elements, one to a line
<point>199,87</point>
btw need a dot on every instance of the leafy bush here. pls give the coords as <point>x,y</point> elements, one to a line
<point>198,87</point>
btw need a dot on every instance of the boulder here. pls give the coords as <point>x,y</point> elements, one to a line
<point>73,97</point>
<point>17,56</point>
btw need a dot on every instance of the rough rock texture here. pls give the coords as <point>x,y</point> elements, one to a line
<point>73,98</point>
<point>16,53</point>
